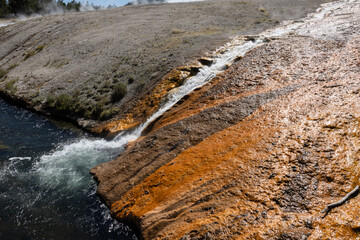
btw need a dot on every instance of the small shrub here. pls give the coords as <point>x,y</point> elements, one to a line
<point>64,103</point>
<point>119,92</point>
<point>107,114</point>
<point>50,101</point>
<point>98,109</point>
<point>68,105</point>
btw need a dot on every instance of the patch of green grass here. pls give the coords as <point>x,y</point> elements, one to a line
<point>119,92</point>
<point>2,146</point>
<point>72,106</point>
<point>3,73</point>
<point>65,104</point>
<point>40,48</point>
<point>10,86</point>
<point>29,54</point>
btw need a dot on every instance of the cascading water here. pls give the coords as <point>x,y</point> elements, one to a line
<point>52,195</point>
<point>38,198</point>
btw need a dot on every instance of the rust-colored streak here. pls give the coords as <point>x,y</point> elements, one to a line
<point>218,156</point>
<point>150,103</point>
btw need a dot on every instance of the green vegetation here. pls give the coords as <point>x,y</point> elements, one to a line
<point>4,10</point>
<point>2,146</point>
<point>70,105</point>
<point>107,114</point>
<point>32,52</point>
<point>3,73</point>
<point>29,7</point>
<point>10,86</point>
<point>65,104</point>
<point>40,48</point>
<point>29,54</point>
<point>73,5</point>
<point>119,92</point>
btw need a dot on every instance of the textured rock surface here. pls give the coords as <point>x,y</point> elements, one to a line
<point>259,151</point>
<point>68,64</point>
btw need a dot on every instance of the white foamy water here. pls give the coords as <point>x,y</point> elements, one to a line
<point>70,163</point>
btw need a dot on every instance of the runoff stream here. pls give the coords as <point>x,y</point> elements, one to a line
<point>46,189</point>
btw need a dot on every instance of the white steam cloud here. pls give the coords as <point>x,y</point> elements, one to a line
<point>51,8</point>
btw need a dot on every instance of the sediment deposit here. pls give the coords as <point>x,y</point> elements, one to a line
<point>259,151</point>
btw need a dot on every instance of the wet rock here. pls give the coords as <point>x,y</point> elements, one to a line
<point>206,61</point>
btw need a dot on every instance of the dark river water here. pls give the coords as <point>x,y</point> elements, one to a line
<point>46,191</point>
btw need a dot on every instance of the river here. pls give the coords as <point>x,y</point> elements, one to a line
<point>40,197</point>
